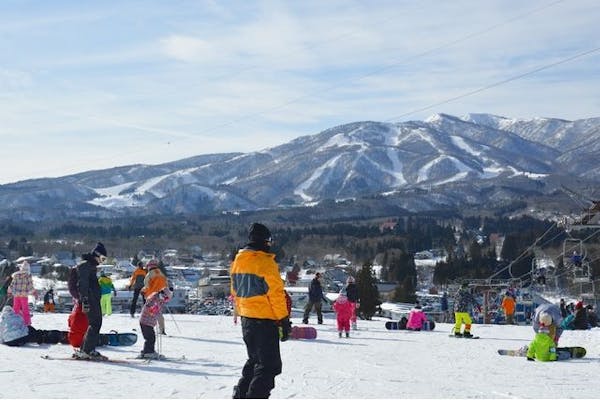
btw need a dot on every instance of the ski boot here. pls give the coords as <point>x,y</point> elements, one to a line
<point>467,334</point>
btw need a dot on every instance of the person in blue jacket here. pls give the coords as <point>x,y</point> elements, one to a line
<point>315,297</point>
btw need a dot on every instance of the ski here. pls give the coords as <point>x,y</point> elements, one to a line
<point>108,360</point>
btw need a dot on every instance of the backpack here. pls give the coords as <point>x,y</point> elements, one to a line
<point>73,282</point>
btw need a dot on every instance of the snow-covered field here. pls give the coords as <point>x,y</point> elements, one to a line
<point>373,363</point>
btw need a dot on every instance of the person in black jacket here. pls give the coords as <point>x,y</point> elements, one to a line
<point>89,297</point>
<point>315,297</point>
<point>353,298</point>
<point>580,322</point>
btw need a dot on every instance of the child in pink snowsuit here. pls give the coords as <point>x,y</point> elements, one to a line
<point>343,309</point>
<point>416,319</point>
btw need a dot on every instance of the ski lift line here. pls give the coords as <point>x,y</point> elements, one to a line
<point>404,62</point>
<point>498,83</point>
<point>509,266</point>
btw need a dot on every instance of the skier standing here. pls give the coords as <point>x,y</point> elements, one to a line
<point>89,297</point>
<point>148,319</point>
<point>315,297</point>
<point>136,283</point>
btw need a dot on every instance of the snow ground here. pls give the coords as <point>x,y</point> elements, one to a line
<point>372,363</point>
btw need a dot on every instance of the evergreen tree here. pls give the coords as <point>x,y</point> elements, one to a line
<point>369,294</point>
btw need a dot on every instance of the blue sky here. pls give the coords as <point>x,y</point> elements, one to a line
<point>97,84</point>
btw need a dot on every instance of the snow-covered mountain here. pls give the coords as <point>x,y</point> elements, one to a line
<point>444,161</point>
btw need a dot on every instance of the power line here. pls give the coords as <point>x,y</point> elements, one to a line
<point>498,83</point>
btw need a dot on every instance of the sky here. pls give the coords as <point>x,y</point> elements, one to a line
<point>373,363</point>
<point>94,85</point>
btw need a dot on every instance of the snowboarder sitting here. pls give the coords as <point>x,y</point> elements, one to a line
<point>14,331</point>
<point>543,347</point>
<point>416,319</point>
<point>149,319</point>
<point>343,309</point>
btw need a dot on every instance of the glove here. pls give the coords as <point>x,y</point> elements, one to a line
<point>285,328</point>
<point>85,305</point>
<point>530,359</point>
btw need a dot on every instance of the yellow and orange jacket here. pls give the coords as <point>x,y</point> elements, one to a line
<point>154,282</point>
<point>257,286</point>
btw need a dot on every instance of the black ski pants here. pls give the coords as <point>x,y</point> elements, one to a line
<point>149,338</point>
<point>136,294</point>
<point>309,307</point>
<point>264,360</point>
<point>92,335</point>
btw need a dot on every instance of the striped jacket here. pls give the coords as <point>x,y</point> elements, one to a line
<point>257,286</point>
<point>21,285</point>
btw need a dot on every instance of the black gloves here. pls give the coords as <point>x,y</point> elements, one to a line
<point>85,305</point>
<point>530,359</point>
<point>285,328</point>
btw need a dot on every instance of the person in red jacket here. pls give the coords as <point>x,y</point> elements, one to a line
<point>78,325</point>
<point>343,309</point>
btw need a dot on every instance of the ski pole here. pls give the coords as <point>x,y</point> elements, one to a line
<point>173,318</point>
<point>159,340</point>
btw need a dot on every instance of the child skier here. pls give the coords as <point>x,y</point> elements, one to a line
<point>20,288</point>
<point>148,320</point>
<point>343,309</point>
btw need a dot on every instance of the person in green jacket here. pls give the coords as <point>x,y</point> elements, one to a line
<point>106,287</point>
<point>543,347</point>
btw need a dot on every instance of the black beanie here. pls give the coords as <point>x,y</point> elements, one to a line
<point>258,233</point>
<point>99,250</point>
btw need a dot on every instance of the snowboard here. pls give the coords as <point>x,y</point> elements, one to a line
<point>462,337</point>
<point>118,339</point>
<point>303,332</point>
<point>564,353</point>
<point>396,325</point>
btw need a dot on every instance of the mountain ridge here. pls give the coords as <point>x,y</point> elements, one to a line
<point>452,158</point>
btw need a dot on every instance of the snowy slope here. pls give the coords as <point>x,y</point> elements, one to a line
<point>373,363</point>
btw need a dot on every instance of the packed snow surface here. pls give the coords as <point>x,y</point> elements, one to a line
<point>372,363</point>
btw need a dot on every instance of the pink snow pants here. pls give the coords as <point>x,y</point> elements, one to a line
<point>21,307</point>
<point>343,324</point>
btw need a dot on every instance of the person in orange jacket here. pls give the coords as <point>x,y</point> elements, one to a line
<point>136,283</point>
<point>508,305</point>
<point>154,282</point>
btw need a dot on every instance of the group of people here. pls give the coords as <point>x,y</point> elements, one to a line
<point>578,316</point>
<point>91,300</point>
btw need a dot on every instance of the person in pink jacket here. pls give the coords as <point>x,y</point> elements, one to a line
<point>416,319</point>
<point>343,309</point>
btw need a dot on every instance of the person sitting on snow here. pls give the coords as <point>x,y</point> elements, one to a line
<point>416,319</point>
<point>543,347</point>
<point>14,331</point>
<point>555,329</point>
